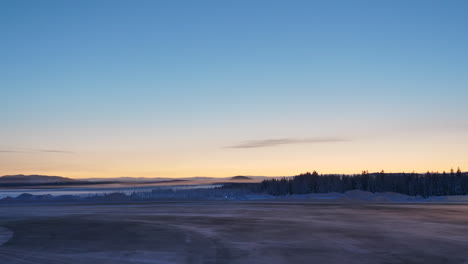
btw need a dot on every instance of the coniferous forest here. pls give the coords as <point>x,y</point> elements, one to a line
<point>415,184</point>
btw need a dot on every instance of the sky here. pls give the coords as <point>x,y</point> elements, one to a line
<point>221,88</point>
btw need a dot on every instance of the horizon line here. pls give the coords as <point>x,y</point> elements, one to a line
<point>246,175</point>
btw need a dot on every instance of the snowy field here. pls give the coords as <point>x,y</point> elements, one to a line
<point>273,231</point>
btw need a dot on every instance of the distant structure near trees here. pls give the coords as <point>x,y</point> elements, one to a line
<point>425,185</point>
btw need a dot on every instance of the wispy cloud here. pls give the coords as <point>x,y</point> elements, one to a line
<point>285,141</point>
<point>9,151</point>
<point>52,151</point>
<point>29,150</point>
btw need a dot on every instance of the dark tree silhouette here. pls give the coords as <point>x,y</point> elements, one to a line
<point>428,184</point>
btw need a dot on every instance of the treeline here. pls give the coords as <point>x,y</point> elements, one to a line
<point>429,184</point>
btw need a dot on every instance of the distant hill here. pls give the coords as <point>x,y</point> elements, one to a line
<point>128,179</point>
<point>241,178</point>
<point>16,181</point>
<point>34,179</point>
<point>161,179</point>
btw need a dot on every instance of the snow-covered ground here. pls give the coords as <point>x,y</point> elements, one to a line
<point>237,232</point>
<point>5,235</point>
<point>362,196</point>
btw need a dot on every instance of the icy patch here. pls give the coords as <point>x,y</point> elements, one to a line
<point>5,235</point>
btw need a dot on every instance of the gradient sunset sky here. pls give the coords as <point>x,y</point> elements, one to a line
<point>223,88</point>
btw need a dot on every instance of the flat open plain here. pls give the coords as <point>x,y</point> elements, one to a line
<point>234,232</point>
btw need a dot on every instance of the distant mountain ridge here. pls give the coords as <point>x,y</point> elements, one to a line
<point>241,178</point>
<point>20,179</point>
<point>45,179</point>
<point>128,179</point>
<point>155,179</point>
<point>35,179</point>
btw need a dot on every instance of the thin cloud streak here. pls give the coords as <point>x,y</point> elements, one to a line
<point>52,151</point>
<point>35,151</point>
<point>284,141</point>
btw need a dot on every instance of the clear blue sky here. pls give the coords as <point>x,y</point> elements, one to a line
<point>166,88</point>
